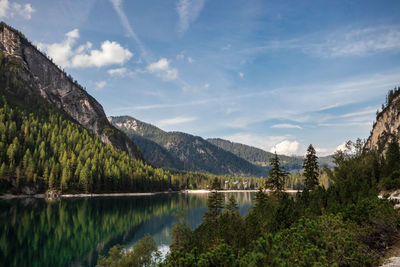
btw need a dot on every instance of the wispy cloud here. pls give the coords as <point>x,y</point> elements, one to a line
<point>100,84</point>
<point>369,111</point>
<point>363,41</point>
<point>175,121</point>
<point>66,54</point>
<point>117,4</point>
<point>188,11</point>
<point>118,72</point>
<point>344,42</point>
<point>286,126</point>
<point>11,9</point>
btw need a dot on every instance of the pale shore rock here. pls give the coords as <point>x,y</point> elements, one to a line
<point>392,262</point>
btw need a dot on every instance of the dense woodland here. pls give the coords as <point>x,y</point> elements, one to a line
<point>343,225</point>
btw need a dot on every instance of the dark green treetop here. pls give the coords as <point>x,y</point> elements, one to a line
<point>310,166</point>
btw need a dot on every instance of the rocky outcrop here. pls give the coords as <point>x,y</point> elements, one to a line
<point>42,76</point>
<point>387,124</point>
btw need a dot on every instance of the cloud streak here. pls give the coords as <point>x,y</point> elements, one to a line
<point>188,12</point>
<point>117,5</point>
<point>175,121</point>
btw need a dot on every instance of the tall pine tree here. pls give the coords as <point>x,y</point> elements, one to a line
<point>277,176</point>
<point>310,166</point>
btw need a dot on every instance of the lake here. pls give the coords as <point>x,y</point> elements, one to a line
<point>73,232</point>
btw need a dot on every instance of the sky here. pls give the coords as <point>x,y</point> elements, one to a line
<point>278,75</point>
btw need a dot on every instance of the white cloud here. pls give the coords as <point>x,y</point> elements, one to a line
<point>175,121</point>
<point>263,142</point>
<point>117,72</point>
<point>286,126</point>
<point>111,53</point>
<point>241,75</point>
<point>163,69</point>
<point>101,84</point>
<point>64,54</point>
<point>289,148</point>
<point>344,148</point>
<point>188,11</point>
<point>10,9</point>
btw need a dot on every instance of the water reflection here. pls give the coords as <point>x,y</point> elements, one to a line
<point>39,232</point>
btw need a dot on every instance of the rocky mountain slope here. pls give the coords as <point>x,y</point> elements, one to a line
<point>387,122</point>
<point>53,84</point>
<point>183,151</point>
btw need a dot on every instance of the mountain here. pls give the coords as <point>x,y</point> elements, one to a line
<point>183,151</point>
<point>387,122</point>
<point>255,155</point>
<point>261,157</point>
<point>42,76</point>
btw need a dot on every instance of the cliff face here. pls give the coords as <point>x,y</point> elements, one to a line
<point>45,78</point>
<point>388,123</point>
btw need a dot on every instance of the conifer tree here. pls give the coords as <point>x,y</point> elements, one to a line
<point>277,176</point>
<point>215,202</point>
<point>310,166</point>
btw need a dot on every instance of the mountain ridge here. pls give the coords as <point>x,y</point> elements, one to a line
<point>193,152</point>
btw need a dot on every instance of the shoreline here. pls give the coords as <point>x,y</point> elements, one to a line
<point>83,195</point>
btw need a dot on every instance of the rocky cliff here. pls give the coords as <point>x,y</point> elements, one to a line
<point>387,123</point>
<point>42,76</point>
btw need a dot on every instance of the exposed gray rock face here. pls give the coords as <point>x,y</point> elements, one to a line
<point>388,123</point>
<point>45,78</point>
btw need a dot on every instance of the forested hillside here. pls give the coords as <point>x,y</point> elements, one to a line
<point>184,151</point>
<point>261,157</point>
<point>42,148</point>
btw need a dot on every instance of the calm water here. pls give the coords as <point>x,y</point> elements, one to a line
<point>73,232</point>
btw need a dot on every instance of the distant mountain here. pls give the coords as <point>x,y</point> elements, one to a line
<point>261,157</point>
<point>183,151</point>
<point>187,152</point>
<point>45,78</point>
<point>255,155</point>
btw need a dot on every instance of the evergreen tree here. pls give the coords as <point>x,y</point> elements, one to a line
<point>392,156</point>
<point>215,202</point>
<point>310,166</point>
<point>277,176</point>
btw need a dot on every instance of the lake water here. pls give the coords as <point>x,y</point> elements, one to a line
<point>73,232</point>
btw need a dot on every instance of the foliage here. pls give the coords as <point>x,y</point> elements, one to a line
<point>343,225</point>
<point>310,166</point>
<point>277,177</point>
<point>144,253</point>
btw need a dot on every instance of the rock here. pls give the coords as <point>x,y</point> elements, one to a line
<point>388,122</point>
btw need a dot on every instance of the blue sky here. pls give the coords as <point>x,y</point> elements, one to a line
<point>278,75</point>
